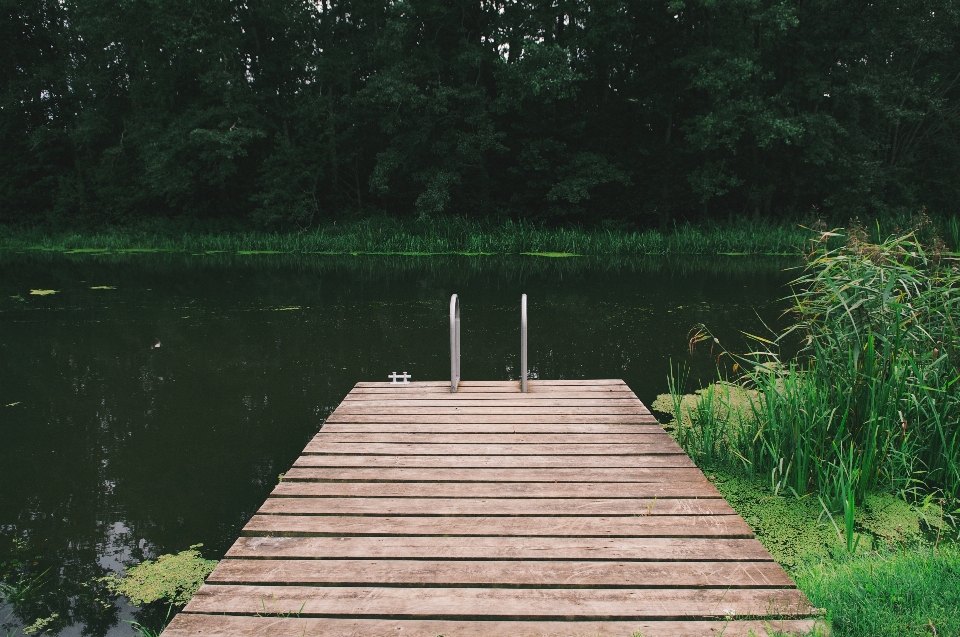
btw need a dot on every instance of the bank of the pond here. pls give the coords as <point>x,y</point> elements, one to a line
<point>453,235</point>
<point>448,235</point>
<point>902,579</point>
<point>845,458</point>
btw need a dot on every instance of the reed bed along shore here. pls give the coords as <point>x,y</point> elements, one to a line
<point>872,401</point>
<point>448,235</point>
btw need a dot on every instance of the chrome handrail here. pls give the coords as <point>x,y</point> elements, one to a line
<point>523,343</point>
<point>454,343</point>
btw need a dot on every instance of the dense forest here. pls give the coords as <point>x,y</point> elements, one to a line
<point>292,113</point>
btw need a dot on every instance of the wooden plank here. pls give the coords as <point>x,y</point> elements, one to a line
<point>535,574</point>
<point>494,506</point>
<point>362,396</point>
<point>502,383</point>
<point>520,418</point>
<point>506,462</point>
<point>192,625</point>
<point>649,549</point>
<point>664,445</point>
<point>510,438</point>
<point>395,409</point>
<point>474,475</point>
<point>450,428</point>
<point>529,404</point>
<point>700,489</point>
<point>513,387</point>
<point>675,526</point>
<point>498,603</point>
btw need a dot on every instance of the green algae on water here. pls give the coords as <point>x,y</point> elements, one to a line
<point>170,578</point>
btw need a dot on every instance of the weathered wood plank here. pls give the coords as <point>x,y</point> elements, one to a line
<point>192,625</point>
<point>513,387</point>
<point>699,489</point>
<point>509,438</point>
<point>664,445</point>
<point>474,475</point>
<point>518,418</point>
<point>511,528</point>
<point>501,383</point>
<point>534,574</point>
<point>650,549</point>
<point>506,462</point>
<point>498,603</point>
<point>451,428</point>
<point>494,506</point>
<point>531,404</point>
<point>363,396</point>
<point>395,409</point>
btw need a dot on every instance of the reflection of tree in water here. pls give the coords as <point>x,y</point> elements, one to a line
<point>61,584</point>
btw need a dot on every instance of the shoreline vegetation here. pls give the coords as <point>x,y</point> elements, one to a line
<point>845,458</point>
<point>427,236</point>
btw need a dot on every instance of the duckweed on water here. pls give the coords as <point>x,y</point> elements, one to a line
<point>172,579</point>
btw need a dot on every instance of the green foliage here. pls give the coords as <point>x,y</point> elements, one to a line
<point>872,403</point>
<point>422,236</point>
<point>292,115</point>
<point>895,584</point>
<point>172,579</point>
<point>915,592</point>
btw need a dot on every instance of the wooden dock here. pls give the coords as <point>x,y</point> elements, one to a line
<point>563,511</point>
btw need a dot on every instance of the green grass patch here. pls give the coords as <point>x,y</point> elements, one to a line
<point>899,581</point>
<point>914,592</point>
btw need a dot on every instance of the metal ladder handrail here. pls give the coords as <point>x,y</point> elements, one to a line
<point>523,343</point>
<point>454,343</point>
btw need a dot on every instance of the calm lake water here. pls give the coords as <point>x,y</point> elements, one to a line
<point>114,450</point>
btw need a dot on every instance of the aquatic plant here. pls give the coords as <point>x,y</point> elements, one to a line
<point>172,579</point>
<point>870,404</point>
<point>424,236</point>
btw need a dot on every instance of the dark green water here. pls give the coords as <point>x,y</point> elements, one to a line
<point>113,450</point>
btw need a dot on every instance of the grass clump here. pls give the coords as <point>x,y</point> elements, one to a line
<point>172,579</point>
<point>872,402</point>
<point>912,592</point>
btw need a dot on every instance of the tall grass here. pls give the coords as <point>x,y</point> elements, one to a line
<point>873,400</point>
<point>905,593</point>
<point>445,235</point>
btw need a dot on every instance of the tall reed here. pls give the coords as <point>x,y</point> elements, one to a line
<point>440,235</point>
<point>872,402</point>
